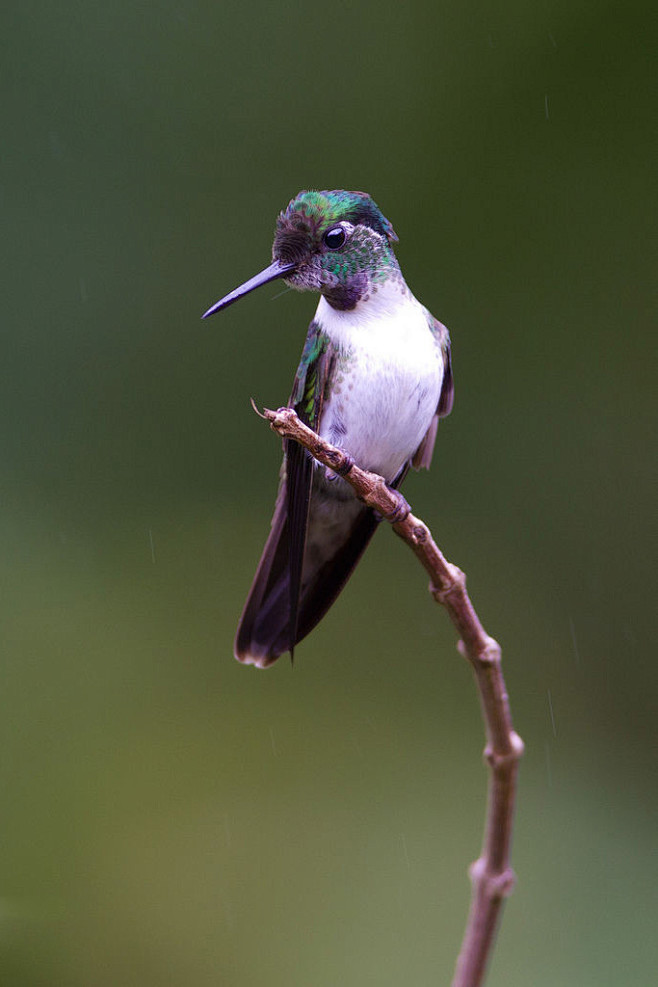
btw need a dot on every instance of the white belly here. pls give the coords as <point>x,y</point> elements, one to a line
<point>388,381</point>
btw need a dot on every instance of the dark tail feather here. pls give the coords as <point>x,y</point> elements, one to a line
<point>264,629</point>
<point>299,471</point>
<point>330,579</point>
<point>269,590</point>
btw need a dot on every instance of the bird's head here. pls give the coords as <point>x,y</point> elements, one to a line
<point>338,243</point>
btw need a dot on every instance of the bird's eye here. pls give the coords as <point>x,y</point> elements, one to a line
<point>335,238</point>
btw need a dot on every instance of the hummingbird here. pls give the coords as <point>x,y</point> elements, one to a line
<point>374,378</point>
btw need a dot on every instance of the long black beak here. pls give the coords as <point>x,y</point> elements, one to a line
<point>276,270</point>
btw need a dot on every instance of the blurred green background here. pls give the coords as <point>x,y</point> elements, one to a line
<point>170,817</point>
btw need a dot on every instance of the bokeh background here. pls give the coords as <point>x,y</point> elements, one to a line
<point>168,816</point>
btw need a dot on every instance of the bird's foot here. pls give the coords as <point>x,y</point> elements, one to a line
<point>400,512</point>
<point>341,468</point>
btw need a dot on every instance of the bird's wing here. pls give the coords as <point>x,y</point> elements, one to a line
<point>423,456</point>
<point>307,398</point>
<point>268,625</point>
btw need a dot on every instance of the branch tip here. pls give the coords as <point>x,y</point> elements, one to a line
<point>261,414</point>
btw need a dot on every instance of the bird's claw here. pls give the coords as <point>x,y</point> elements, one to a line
<point>400,512</point>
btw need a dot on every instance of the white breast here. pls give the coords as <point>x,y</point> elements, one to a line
<point>388,379</point>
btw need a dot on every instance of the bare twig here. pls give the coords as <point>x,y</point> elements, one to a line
<point>492,877</point>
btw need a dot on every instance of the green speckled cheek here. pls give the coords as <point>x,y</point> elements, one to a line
<point>363,253</point>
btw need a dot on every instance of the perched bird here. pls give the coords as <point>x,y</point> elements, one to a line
<point>374,379</point>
